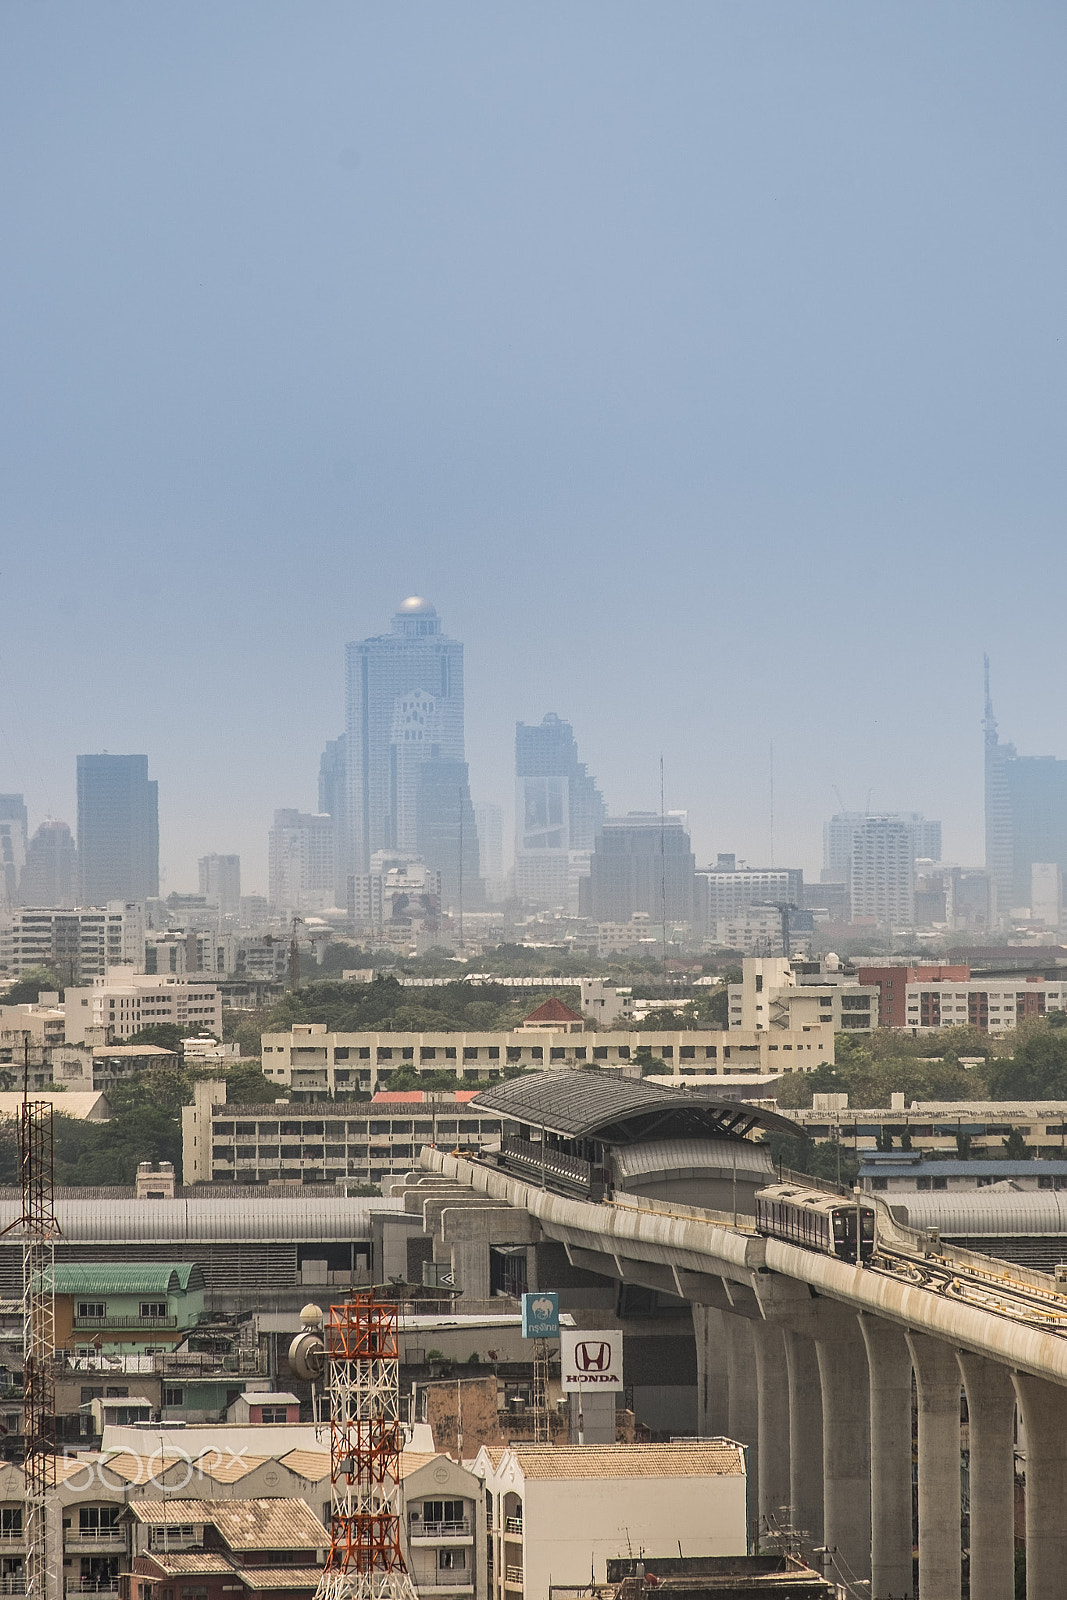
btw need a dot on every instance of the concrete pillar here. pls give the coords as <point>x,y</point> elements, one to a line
<point>846,1447</point>
<point>991,1431</point>
<point>773,1382</point>
<point>743,1418</point>
<point>713,1404</point>
<point>1044,1410</point>
<point>805,1438</point>
<point>889,1361</point>
<point>937,1384</point>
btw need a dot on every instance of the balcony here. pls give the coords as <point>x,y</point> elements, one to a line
<point>84,1537</point>
<point>513,1525</point>
<point>512,1577</point>
<point>13,1583</point>
<point>444,1581</point>
<point>101,1324</point>
<point>438,1531</point>
<point>100,1586</point>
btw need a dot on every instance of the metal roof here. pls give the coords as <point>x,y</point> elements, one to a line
<point>262,1219</point>
<point>884,1167</point>
<point>697,1157</point>
<point>140,1277</point>
<point>1005,1214</point>
<point>617,1110</point>
<point>714,1458</point>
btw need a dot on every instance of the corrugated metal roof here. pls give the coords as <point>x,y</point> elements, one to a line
<point>314,1465</point>
<point>717,1459</point>
<point>139,1277</point>
<point>704,1155</point>
<point>282,1524</point>
<point>586,1104</point>
<point>189,1562</point>
<point>257,1578</point>
<point>1006,1214</point>
<point>262,1218</point>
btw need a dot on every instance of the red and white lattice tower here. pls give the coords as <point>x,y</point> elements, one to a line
<point>362,1365</point>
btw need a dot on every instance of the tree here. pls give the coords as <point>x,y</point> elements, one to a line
<point>164,1035</point>
<point>883,1141</point>
<point>963,1145</point>
<point>1016,1147</point>
<point>1037,1071</point>
<point>648,1063</point>
<point>26,989</point>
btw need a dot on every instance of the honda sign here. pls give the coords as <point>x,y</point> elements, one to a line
<point>591,1359</point>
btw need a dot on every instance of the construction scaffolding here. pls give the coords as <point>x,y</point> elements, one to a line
<point>362,1362</point>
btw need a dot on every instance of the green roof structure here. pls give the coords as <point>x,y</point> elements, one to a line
<point>139,1277</point>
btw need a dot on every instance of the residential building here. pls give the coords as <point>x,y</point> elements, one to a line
<point>839,832</point>
<point>882,872</point>
<point>732,889</point>
<point>311,1063</point>
<point>778,994</point>
<point>220,883</point>
<point>50,874</point>
<point>126,1002</point>
<point>444,1530</point>
<point>404,712</point>
<point>139,1307</point>
<point>301,862</point>
<point>993,1004</point>
<point>400,890</point>
<point>215,1549</point>
<point>1046,894</point>
<point>642,863</point>
<point>555,1512</point>
<point>118,829</point>
<point>892,984</point>
<point>559,814</point>
<point>79,945</point>
<point>308,1142</point>
<point>14,829</point>
<point>489,820</point>
<point>333,802</point>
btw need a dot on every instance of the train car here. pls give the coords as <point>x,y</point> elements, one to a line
<point>815,1220</point>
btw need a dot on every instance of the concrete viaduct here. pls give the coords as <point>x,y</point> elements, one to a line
<point>809,1361</point>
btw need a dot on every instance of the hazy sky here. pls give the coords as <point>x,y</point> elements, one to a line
<point>703,363</point>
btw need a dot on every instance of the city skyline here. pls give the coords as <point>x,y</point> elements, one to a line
<point>596,383</point>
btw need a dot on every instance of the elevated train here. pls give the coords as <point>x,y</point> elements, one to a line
<point>816,1221</point>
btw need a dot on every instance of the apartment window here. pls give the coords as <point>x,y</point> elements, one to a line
<point>153,1308</point>
<point>451,1560</point>
<point>274,1414</point>
<point>92,1308</point>
<point>173,1397</point>
<point>11,1522</point>
<point>97,1519</point>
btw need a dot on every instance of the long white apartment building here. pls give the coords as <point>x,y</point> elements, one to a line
<point>994,1004</point>
<point>313,1064</point>
<point>125,1002</point>
<point>776,994</point>
<point>933,1125</point>
<point>80,945</point>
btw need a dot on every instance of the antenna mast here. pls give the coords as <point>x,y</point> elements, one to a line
<point>663,870</point>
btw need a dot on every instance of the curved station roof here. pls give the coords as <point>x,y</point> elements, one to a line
<point>597,1105</point>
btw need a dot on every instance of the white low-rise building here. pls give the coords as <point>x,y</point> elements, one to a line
<point>311,1063</point>
<point>558,1514</point>
<point>782,994</point>
<point>125,1002</point>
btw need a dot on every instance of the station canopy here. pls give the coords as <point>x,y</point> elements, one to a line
<point>614,1110</point>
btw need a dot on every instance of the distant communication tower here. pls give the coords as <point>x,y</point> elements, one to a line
<point>38,1229</point>
<point>362,1363</point>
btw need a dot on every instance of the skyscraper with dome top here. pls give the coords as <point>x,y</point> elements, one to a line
<point>407,782</point>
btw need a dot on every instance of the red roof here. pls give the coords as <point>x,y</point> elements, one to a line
<point>553,1011</point>
<point>415,1097</point>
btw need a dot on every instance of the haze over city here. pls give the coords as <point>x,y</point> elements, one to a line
<point>705,369</point>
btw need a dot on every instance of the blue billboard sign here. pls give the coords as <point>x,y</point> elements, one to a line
<point>540,1315</point>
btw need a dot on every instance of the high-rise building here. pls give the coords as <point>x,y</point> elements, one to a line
<point>1025,816</point>
<point>333,802</point>
<point>489,820</point>
<point>642,865</point>
<point>50,876</point>
<point>559,813</point>
<point>839,832</point>
<point>404,715</point>
<point>300,862</point>
<point>882,872</point>
<point>118,829</point>
<point>220,883</point>
<point>14,827</point>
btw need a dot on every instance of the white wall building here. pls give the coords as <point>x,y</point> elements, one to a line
<point>79,944</point>
<point>558,1514</point>
<point>125,1003</point>
<point>775,993</point>
<point>301,861</point>
<point>882,872</point>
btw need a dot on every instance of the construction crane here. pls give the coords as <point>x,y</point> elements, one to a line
<point>294,953</point>
<point>37,1227</point>
<point>783,908</point>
